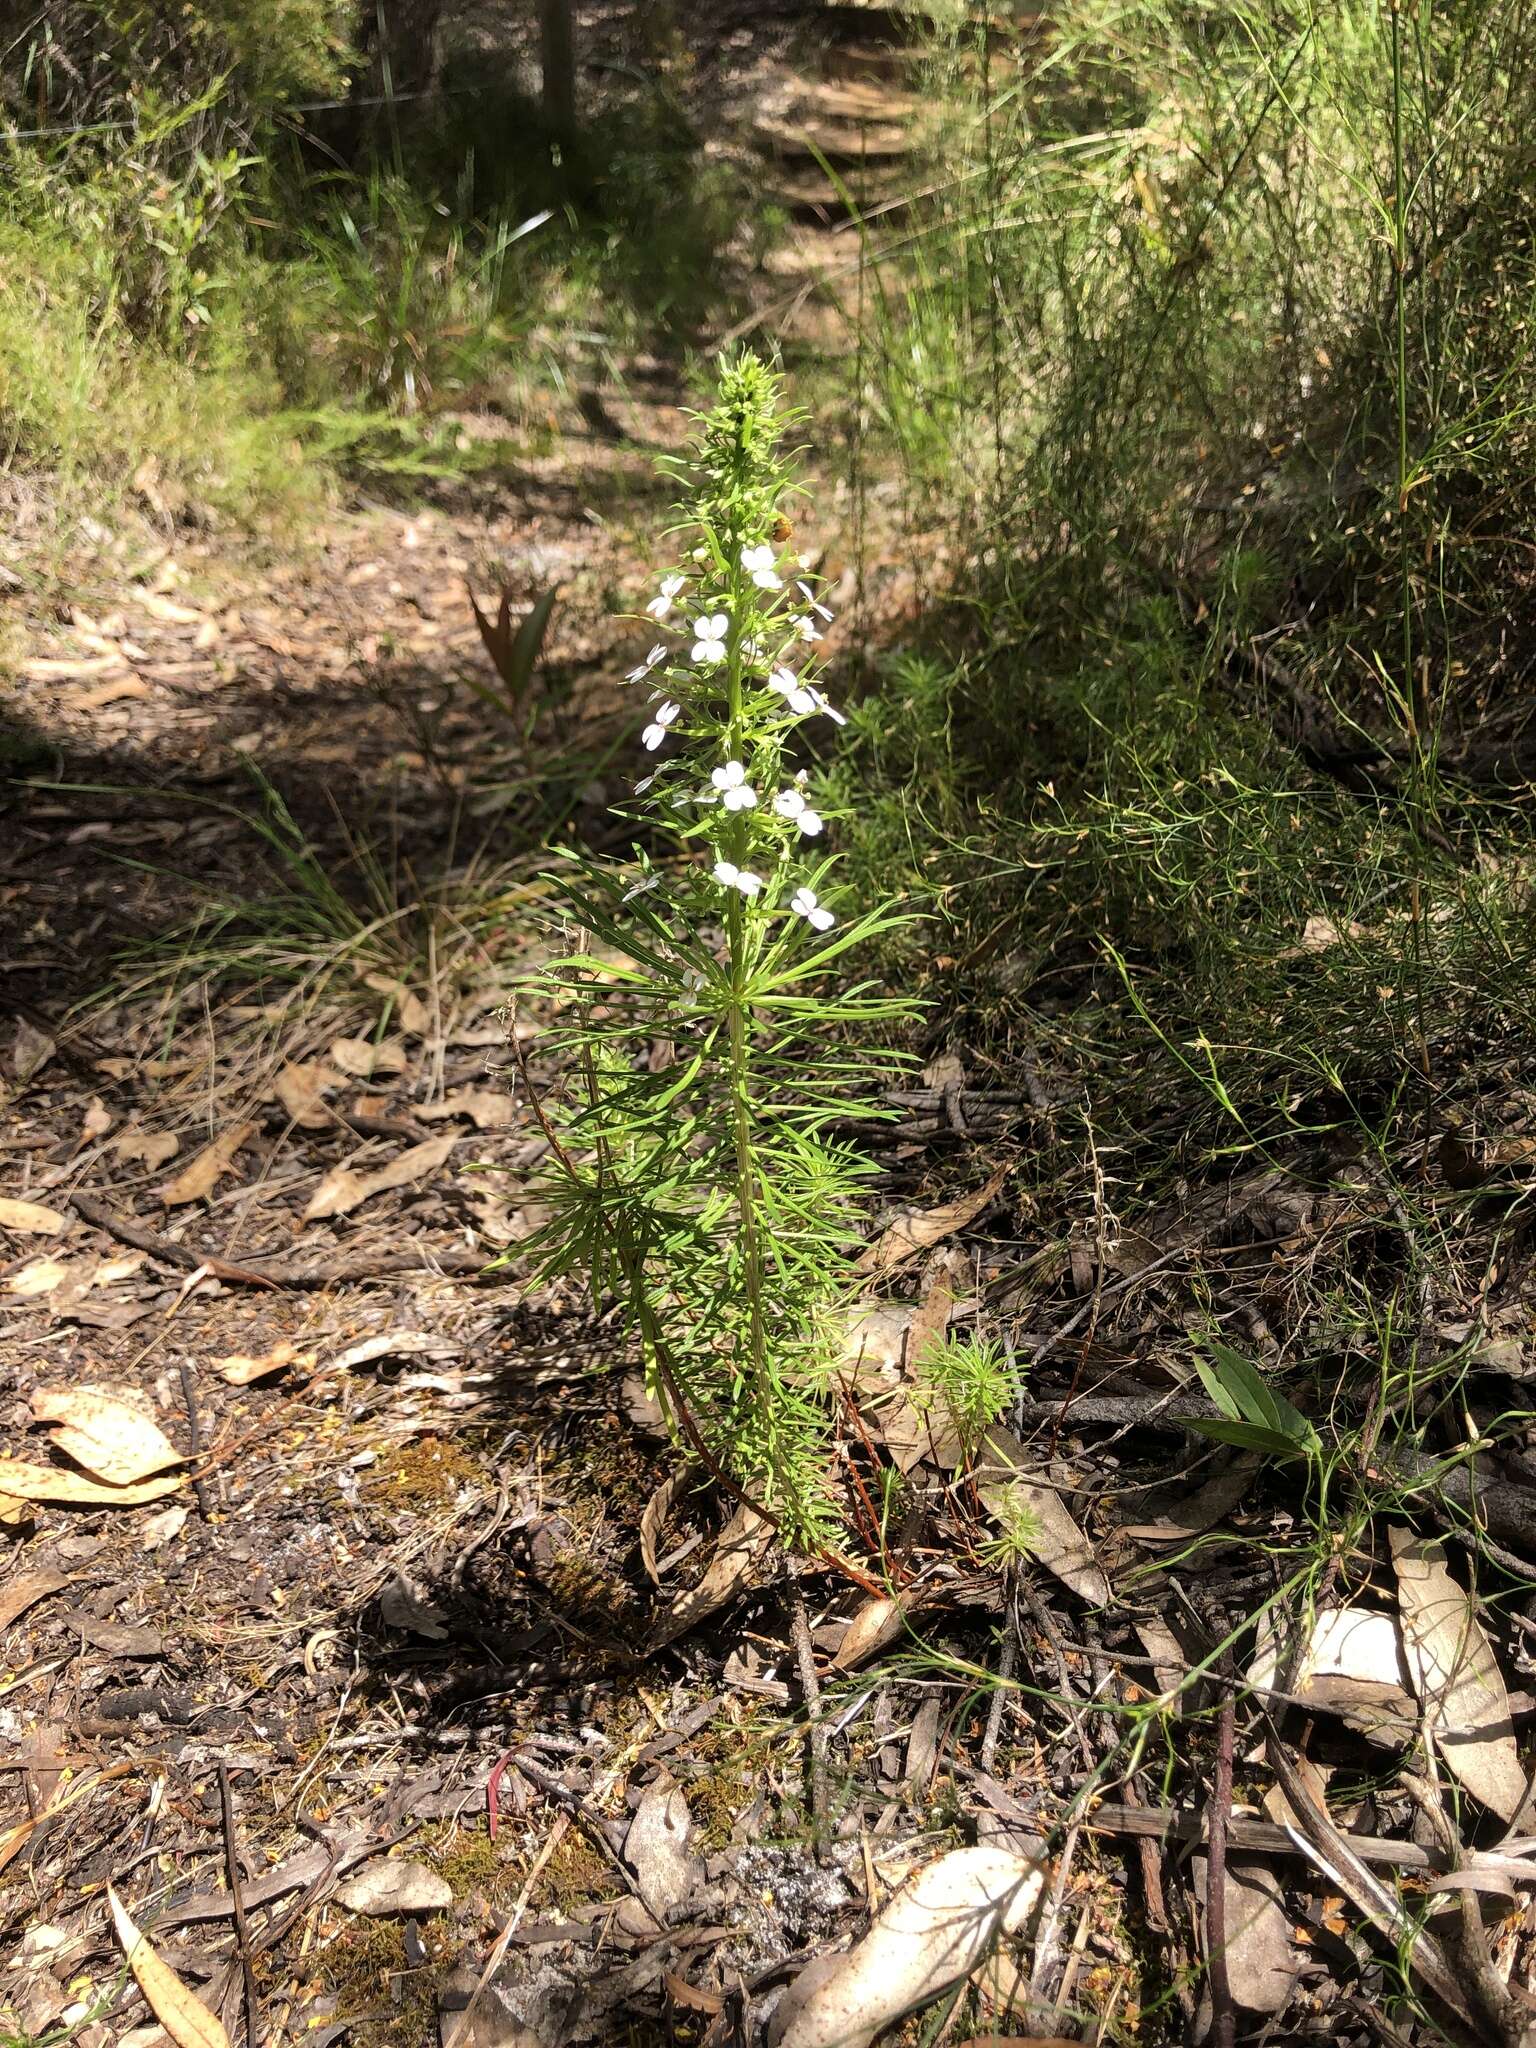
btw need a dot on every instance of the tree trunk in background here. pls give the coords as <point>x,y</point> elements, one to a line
<point>557,56</point>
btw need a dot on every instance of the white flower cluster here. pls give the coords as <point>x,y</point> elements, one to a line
<point>712,649</point>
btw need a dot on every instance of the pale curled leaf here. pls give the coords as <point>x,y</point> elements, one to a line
<point>653,1521</point>
<point>301,1088</point>
<point>879,1621</point>
<point>242,1370</point>
<point>45,1482</point>
<point>40,1276</point>
<point>739,1549</point>
<point>363,1058</point>
<point>344,1190</point>
<point>486,1108</point>
<point>135,1147</point>
<point>109,1436</point>
<point>1351,1665</point>
<point>30,1218</point>
<point>932,1935</point>
<point>912,1231</point>
<point>656,1848</point>
<point>390,1885</point>
<point>1456,1675</point>
<point>184,2017</point>
<point>200,1175</point>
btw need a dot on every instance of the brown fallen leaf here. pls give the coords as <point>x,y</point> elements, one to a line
<point>135,1147</point>
<point>654,1520</point>
<point>15,1513</point>
<point>415,1015</point>
<point>96,1122</point>
<point>241,1371</point>
<point>739,1549</point>
<point>184,2017</point>
<point>301,1088</point>
<point>1262,1959</point>
<point>115,1638</point>
<point>362,1058</point>
<point>344,1190</point>
<point>30,1218</point>
<point>913,1230</point>
<point>106,1434</point>
<point>486,1108</point>
<point>1007,1493</point>
<point>879,1621</point>
<point>19,1594</point>
<point>111,693</point>
<point>404,1606</point>
<point>46,1482</point>
<point>692,1997</point>
<point>1456,1675</point>
<point>198,1177</point>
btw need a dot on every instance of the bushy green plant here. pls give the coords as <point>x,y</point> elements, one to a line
<point>696,1174</point>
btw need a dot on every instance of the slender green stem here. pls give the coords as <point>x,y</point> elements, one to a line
<point>1412,695</point>
<point>740,1055</point>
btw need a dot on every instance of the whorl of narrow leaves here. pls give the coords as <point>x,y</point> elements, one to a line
<point>696,1177</point>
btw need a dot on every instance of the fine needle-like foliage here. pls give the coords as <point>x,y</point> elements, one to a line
<point>697,1176</point>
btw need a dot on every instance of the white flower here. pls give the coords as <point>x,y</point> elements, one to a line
<point>792,690</point>
<point>758,563</point>
<point>711,630</point>
<point>660,606</point>
<point>805,905</point>
<point>736,793</point>
<point>819,703</point>
<point>638,675</point>
<point>789,803</point>
<point>656,731</point>
<point>806,628</point>
<point>729,876</point>
<point>811,599</point>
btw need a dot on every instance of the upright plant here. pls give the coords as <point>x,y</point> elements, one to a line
<point>696,1176</point>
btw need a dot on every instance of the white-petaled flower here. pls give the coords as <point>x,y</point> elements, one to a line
<point>657,653</point>
<point>807,628</point>
<point>820,703</point>
<point>736,793</point>
<point>710,632</point>
<point>661,605</point>
<point>729,876</point>
<point>812,599</point>
<point>789,803</point>
<point>656,731</point>
<point>759,565</point>
<point>805,905</point>
<point>792,690</point>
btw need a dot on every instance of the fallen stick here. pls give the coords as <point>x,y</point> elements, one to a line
<point>1162,1824</point>
<point>329,1273</point>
